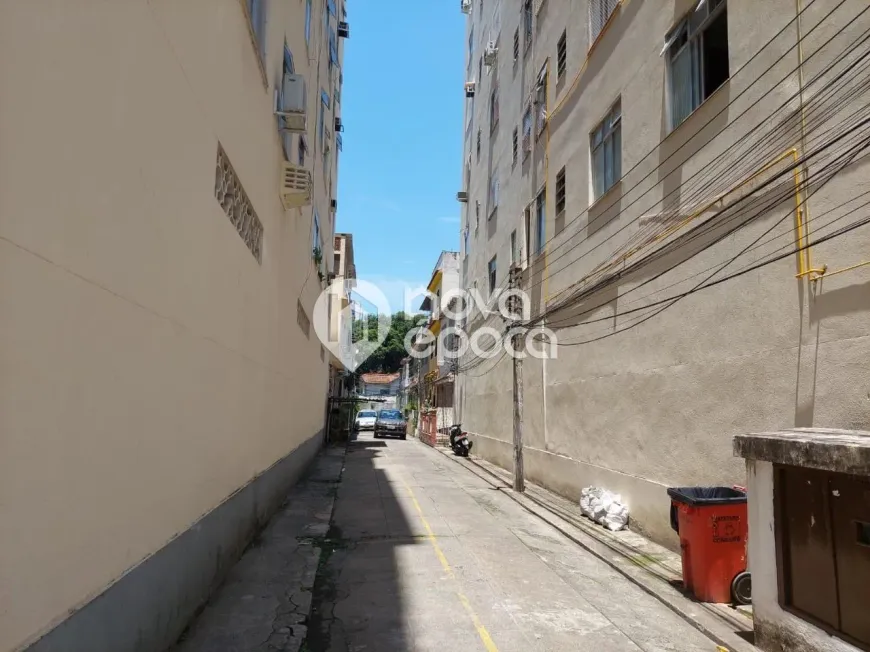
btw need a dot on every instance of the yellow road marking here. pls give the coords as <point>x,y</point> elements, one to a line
<point>478,625</point>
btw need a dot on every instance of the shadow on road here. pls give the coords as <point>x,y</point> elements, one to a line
<point>357,602</point>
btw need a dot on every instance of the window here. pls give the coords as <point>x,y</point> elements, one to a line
<point>515,146</point>
<point>492,274</point>
<point>527,23</point>
<point>517,44</point>
<point>562,55</point>
<point>697,58</point>
<point>478,145</point>
<point>315,236</point>
<point>527,132</point>
<point>333,51</point>
<point>470,47</point>
<point>599,13</point>
<point>540,221</point>
<point>493,194</point>
<point>493,108</point>
<point>527,229</point>
<point>606,149</point>
<point>560,192</point>
<point>307,22</point>
<point>324,107</point>
<point>480,8</point>
<point>465,236</point>
<point>257,16</point>
<point>302,319</point>
<point>515,255</point>
<point>286,136</point>
<point>303,147</point>
<point>479,69</point>
<point>541,102</point>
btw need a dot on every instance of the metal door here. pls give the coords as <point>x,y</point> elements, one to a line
<point>850,512</point>
<point>808,546</point>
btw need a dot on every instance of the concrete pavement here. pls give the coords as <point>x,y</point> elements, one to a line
<point>393,547</point>
<point>428,556</point>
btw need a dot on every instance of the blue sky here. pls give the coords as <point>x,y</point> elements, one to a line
<point>401,164</point>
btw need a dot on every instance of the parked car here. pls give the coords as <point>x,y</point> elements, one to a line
<point>365,420</point>
<point>391,422</point>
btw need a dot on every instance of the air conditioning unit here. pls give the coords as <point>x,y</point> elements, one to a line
<point>344,29</point>
<point>333,204</point>
<point>462,196</point>
<point>465,5</point>
<point>470,87</point>
<point>490,54</point>
<point>295,186</point>
<point>291,103</point>
<point>338,125</point>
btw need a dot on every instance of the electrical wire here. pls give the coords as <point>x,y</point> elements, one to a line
<point>669,301</point>
<point>706,227</point>
<point>840,105</point>
<point>604,210</point>
<point>723,161</point>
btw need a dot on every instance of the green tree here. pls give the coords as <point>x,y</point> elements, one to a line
<point>387,358</point>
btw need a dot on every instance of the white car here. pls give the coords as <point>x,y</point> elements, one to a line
<point>365,420</point>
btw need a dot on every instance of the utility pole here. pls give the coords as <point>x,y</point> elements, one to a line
<point>518,344</point>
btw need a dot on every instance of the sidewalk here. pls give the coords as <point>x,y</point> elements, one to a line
<point>653,568</point>
<point>265,601</point>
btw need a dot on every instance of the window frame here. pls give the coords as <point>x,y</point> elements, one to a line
<point>600,7</point>
<point>562,56</point>
<point>540,221</point>
<point>287,68</point>
<point>693,46</point>
<point>492,273</point>
<point>515,146</point>
<point>517,45</point>
<point>561,194</point>
<point>528,25</point>
<point>308,11</point>
<point>541,96</point>
<point>494,187</point>
<point>608,130</point>
<point>528,128</point>
<point>515,254</point>
<point>493,108</point>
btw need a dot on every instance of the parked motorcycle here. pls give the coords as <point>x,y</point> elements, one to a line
<point>459,441</point>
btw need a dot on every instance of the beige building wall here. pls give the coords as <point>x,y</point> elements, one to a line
<point>656,405</point>
<point>150,365</point>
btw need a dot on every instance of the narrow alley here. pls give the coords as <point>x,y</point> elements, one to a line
<point>421,554</point>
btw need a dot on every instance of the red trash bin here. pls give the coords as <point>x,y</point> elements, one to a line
<point>712,524</point>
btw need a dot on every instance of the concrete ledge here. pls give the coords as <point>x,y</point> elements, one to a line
<point>147,608</point>
<point>839,451</point>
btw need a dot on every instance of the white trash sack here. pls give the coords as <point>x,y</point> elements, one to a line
<point>604,507</point>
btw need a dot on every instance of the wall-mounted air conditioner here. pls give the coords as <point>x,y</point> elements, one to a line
<point>490,54</point>
<point>338,125</point>
<point>462,196</point>
<point>291,103</point>
<point>465,5</point>
<point>344,29</point>
<point>334,204</point>
<point>470,87</point>
<point>295,187</point>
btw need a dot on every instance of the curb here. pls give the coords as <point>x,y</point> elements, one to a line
<point>713,625</point>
